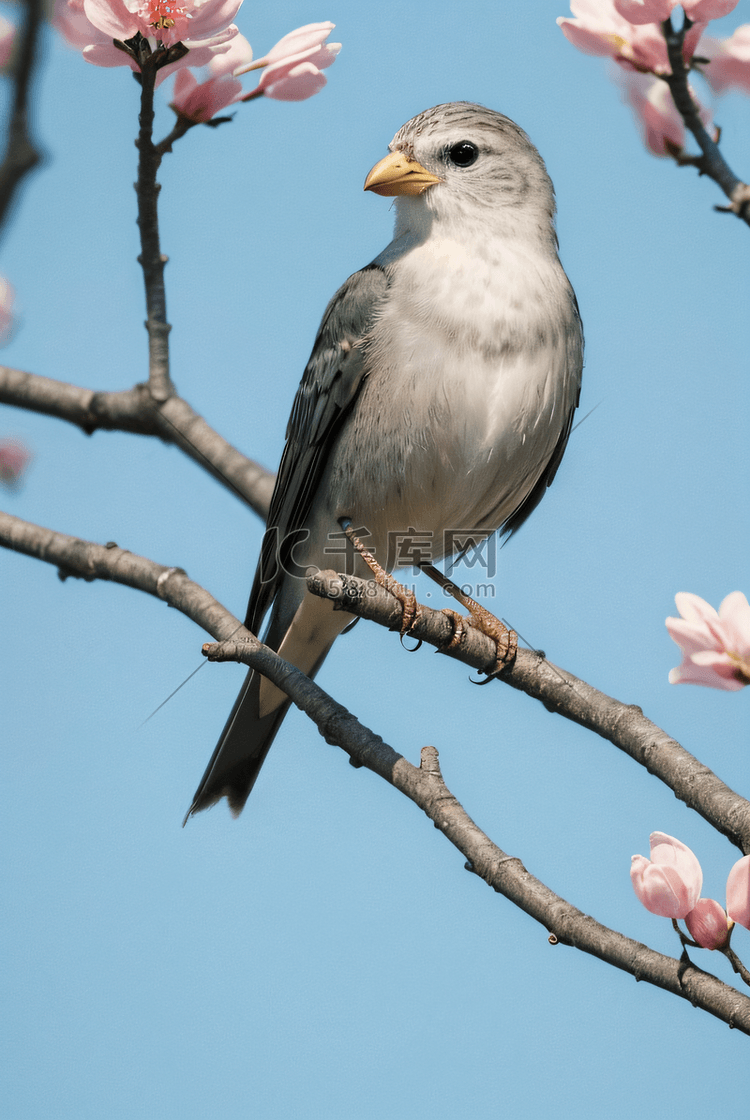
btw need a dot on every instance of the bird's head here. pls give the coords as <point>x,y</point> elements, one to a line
<point>470,169</point>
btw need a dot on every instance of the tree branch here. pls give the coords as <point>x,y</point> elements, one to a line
<point>711,162</point>
<point>151,259</point>
<point>424,785</point>
<point>135,410</point>
<point>21,154</point>
<point>623,725</point>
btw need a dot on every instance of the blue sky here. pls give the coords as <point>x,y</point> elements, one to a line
<point>326,954</point>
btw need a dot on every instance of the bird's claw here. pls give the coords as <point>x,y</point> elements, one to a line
<point>405,595</point>
<point>459,629</point>
<point>506,641</point>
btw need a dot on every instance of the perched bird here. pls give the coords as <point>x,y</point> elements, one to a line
<point>438,398</point>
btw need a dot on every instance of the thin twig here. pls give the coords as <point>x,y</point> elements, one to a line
<point>181,126</point>
<point>737,964</point>
<point>135,410</point>
<point>151,259</point>
<point>21,153</point>
<point>711,162</point>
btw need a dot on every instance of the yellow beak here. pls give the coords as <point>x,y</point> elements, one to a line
<point>398,175</point>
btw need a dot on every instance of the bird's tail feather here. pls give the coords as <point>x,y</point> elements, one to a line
<point>244,744</point>
<point>240,752</point>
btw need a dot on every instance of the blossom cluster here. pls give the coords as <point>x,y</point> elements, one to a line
<point>178,36</point>
<point>630,33</point>
<point>669,884</point>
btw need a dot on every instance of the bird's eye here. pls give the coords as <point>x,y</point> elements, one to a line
<point>463,154</point>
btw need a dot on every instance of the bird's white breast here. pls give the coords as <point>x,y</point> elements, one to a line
<point>463,399</point>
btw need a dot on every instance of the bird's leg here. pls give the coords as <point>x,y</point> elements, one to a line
<point>479,617</point>
<point>406,598</point>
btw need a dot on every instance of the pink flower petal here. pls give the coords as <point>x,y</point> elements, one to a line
<point>655,112</point>
<point>319,58</point>
<point>227,57</point>
<point>686,674</point>
<point>299,41</point>
<point>730,61</point>
<point>211,17</point>
<point>7,37</point>
<point>734,613</point>
<point>200,102</point>
<point>704,10</point>
<point>112,17</point>
<point>689,637</point>
<point>694,609</point>
<point>298,84</point>
<point>667,851</point>
<point>707,924</point>
<point>645,11</point>
<point>70,20</point>
<point>589,41</point>
<point>104,54</point>
<point>14,459</point>
<point>738,892</point>
<point>660,889</point>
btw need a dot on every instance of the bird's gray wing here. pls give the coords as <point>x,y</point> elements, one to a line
<point>329,386</point>
<point>571,384</point>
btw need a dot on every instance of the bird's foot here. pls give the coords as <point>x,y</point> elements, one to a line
<point>506,641</point>
<point>405,596</point>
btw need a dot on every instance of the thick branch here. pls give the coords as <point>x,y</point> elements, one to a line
<point>566,924</point>
<point>135,410</point>
<point>424,785</point>
<point>505,874</point>
<point>21,154</point>
<point>712,162</point>
<point>624,725</point>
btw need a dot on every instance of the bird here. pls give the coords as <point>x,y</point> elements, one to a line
<point>439,397</point>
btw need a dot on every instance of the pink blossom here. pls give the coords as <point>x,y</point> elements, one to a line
<point>661,124</point>
<point>14,459</point>
<point>7,299</point>
<point>715,645</point>
<point>729,67</point>
<point>163,21</point>
<point>7,36</point>
<point>599,28</point>
<point>708,925</point>
<point>670,883</point>
<point>294,65</point>
<point>738,892</point>
<point>92,25</point>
